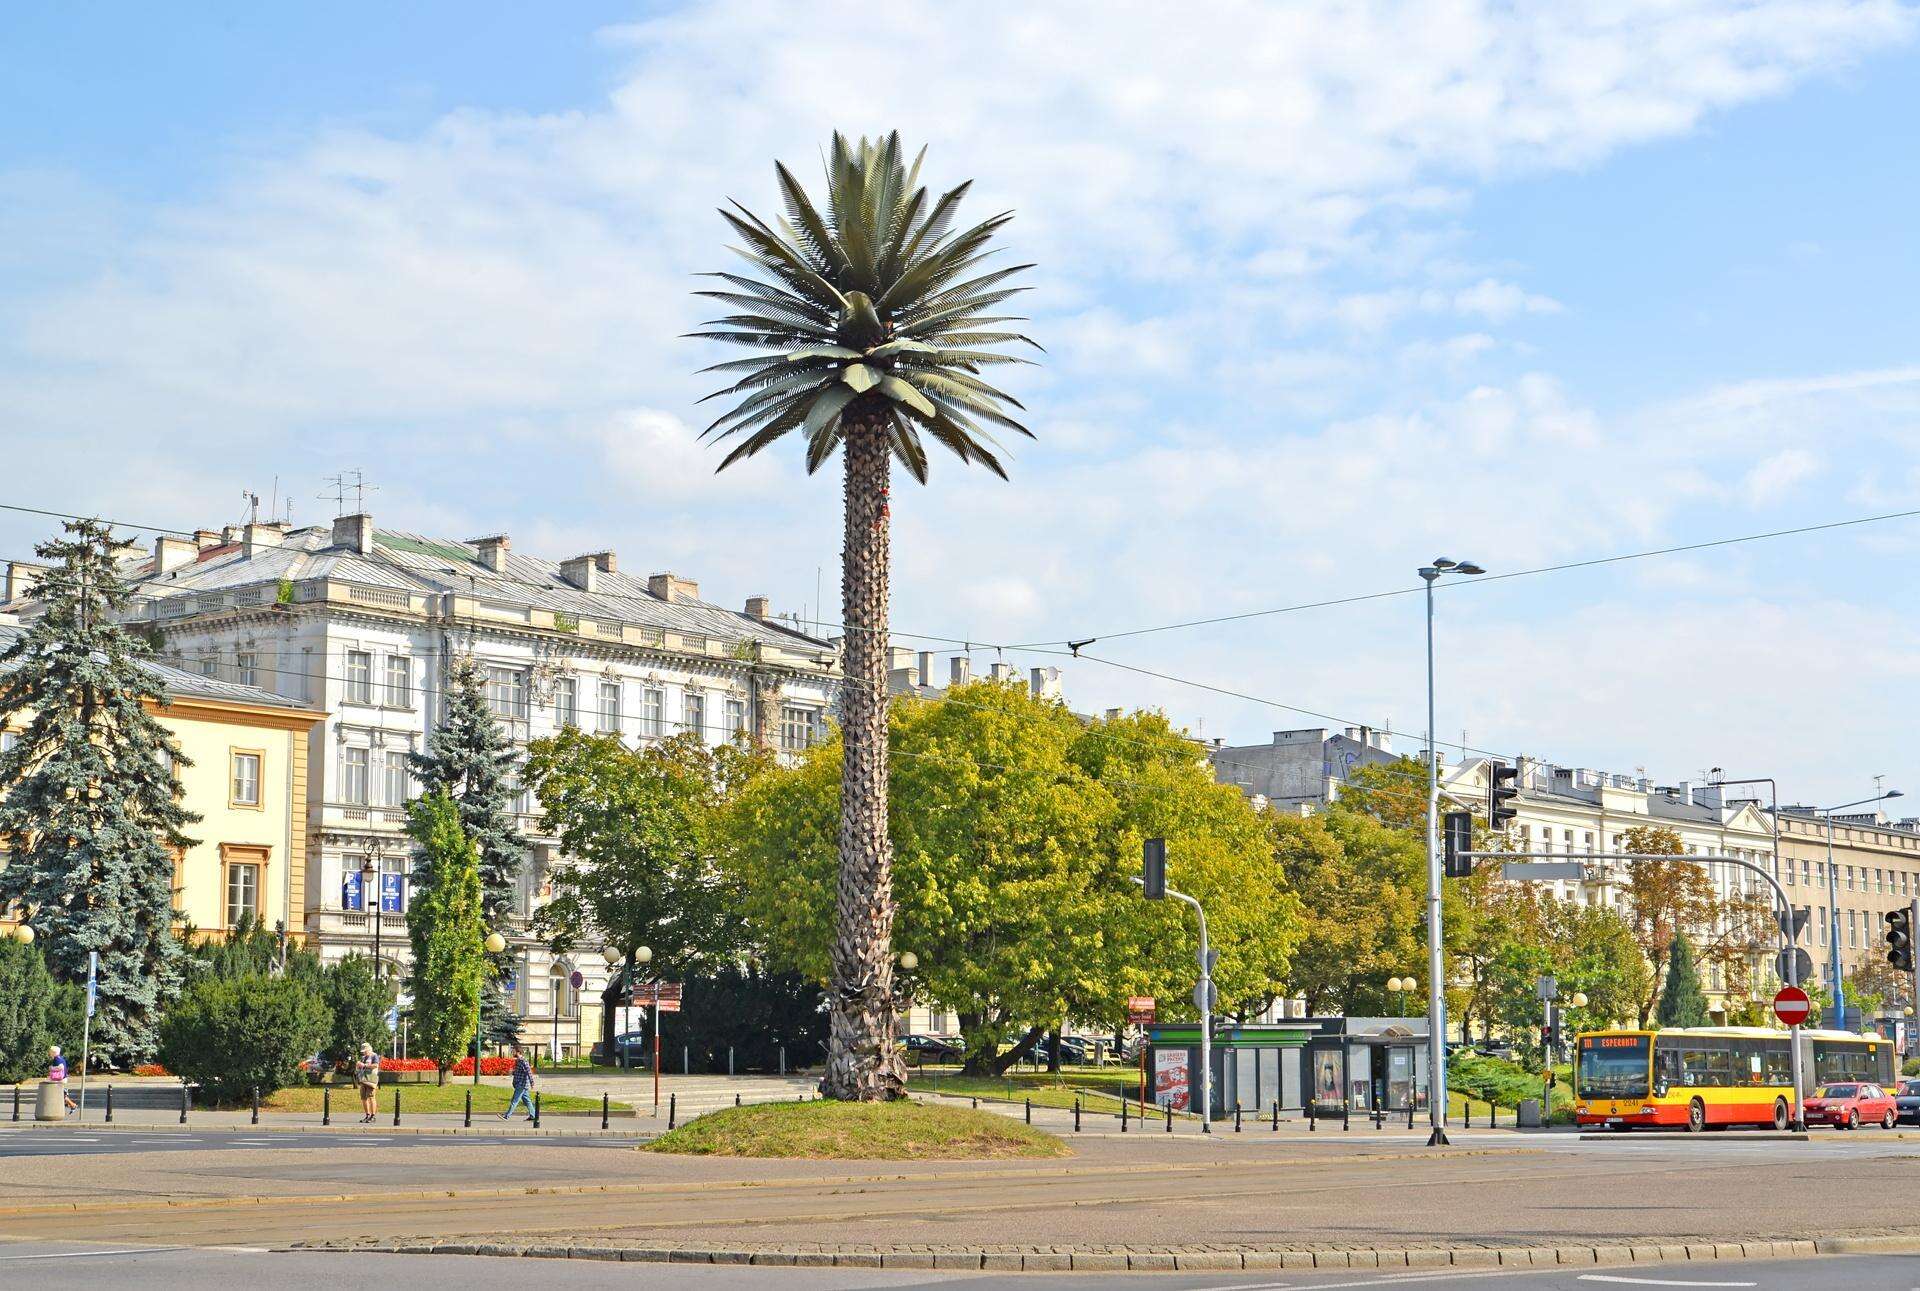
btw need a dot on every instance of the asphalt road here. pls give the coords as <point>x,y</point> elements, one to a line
<point>77,1267</point>
<point>77,1142</point>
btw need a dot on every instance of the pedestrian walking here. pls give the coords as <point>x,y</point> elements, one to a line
<point>366,1074</point>
<point>522,1086</point>
<point>57,1075</point>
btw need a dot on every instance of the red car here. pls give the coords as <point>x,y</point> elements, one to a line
<point>1849,1106</point>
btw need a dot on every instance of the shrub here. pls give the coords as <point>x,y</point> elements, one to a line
<point>1491,1080</point>
<point>233,1035</point>
<point>358,1003</point>
<point>27,992</point>
<point>1911,1067</point>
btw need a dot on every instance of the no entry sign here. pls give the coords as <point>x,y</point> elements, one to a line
<point>1791,1005</point>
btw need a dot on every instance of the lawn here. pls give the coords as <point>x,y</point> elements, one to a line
<point>450,1097</point>
<point>823,1129</point>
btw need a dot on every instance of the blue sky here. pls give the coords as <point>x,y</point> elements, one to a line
<point>1326,291</point>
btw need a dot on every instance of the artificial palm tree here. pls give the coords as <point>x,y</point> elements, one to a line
<point>875,318</point>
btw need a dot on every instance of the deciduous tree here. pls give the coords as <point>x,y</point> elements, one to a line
<point>446,923</point>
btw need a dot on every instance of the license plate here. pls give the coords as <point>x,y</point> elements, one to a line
<point>1614,1120</point>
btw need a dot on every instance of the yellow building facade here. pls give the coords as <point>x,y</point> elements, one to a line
<point>243,770</point>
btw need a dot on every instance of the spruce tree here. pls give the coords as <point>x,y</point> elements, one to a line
<point>1682,1003</point>
<point>89,798</point>
<point>447,929</point>
<point>470,758</point>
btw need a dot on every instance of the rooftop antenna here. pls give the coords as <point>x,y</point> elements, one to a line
<point>345,482</point>
<point>253,505</point>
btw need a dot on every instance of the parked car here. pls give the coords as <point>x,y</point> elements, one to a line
<point>634,1043</point>
<point>931,1048</point>
<point>1849,1105</point>
<point>1907,1100</point>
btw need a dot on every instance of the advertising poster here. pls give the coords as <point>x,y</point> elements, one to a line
<point>1171,1079</point>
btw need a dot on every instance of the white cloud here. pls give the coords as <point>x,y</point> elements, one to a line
<point>1499,301</point>
<point>1773,477</point>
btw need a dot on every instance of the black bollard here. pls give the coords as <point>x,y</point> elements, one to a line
<point>1236,1118</point>
<point>185,1095</point>
<point>326,1104</point>
<point>976,1102</point>
<point>1029,1111</point>
<point>536,1109</point>
<point>396,1104</point>
<point>1276,1116</point>
<point>603,1111</point>
<point>673,1109</point>
<point>1076,1114</point>
<point>109,1104</point>
<point>256,1106</point>
<point>1409,1113</point>
<point>1346,1115</point>
<point>466,1118</point>
<point>1124,1105</point>
<point>736,1100</point>
<point>1169,1118</point>
<point>16,1102</point>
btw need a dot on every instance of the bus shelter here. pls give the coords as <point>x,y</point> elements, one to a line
<point>1337,1063</point>
<point>1368,1064</point>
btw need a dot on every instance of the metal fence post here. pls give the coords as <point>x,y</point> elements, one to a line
<point>783,1060</point>
<point>109,1104</point>
<point>16,1102</point>
<point>1076,1113</point>
<point>604,1109</point>
<point>683,1060</point>
<point>1124,1105</point>
<point>1409,1113</point>
<point>256,1106</point>
<point>1313,1119</point>
<point>1029,1111</point>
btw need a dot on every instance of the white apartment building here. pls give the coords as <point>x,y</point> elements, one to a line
<point>363,622</point>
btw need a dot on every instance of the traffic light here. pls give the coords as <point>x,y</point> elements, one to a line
<point>1502,788</point>
<point>1153,868</point>
<point>1550,1034</point>
<point>1900,939</point>
<point>1456,840</point>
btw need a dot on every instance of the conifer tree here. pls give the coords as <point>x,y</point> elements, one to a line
<point>1682,1003</point>
<point>447,929</point>
<point>470,758</point>
<point>89,796</point>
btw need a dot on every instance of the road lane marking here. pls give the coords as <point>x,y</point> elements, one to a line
<point>80,1255</point>
<point>1391,1280</point>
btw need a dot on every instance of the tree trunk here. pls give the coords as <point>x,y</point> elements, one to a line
<point>863,1060</point>
<point>1003,1061</point>
<point>1053,1051</point>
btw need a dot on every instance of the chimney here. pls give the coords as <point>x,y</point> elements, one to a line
<point>580,572</point>
<point>671,588</point>
<point>1004,672</point>
<point>127,551</point>
<point>22,577</point>
<point>759,607</point>
<point>491,551</point>
<point>1684,791</point>
<point>229,534</point>
<point>959,670</point>
<point>354,531</point>
<point>925,667</point>
<point>606,562</point>
<point>172,553</point>
<point>258,537</point>
<point>205,538</point>
<point>1045,683</point>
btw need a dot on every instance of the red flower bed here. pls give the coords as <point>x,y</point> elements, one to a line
<point>488,1066</point>
<point>151,1069</point>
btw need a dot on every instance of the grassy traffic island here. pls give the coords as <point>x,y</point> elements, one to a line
<point>450,1097</point>
<point>827,1130</point>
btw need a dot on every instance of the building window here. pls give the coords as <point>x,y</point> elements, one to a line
<point>359,677</point>
<point>7,740</point>
<point>507,692</point>
<point>246,668</point>
<point>353,776</point>
<point>694,707</point>
<point>210,665</point>
<point>246,780</point>
<point>653,712</point>
<point>566,701</point>
<point>243,893</point>
<point>399,779</point>
<point>399,681</point>
<point>796,728</point>
<point>609,714</point>
<point>736,715</point>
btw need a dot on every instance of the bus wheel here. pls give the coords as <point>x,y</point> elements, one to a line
<point>1696,1116</point>
<point>1779,1113</point>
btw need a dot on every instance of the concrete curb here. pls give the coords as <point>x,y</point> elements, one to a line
<point>505,1129</point>
<point>1063,1259</point>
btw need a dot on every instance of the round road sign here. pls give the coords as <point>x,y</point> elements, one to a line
<point>1791,1005</point>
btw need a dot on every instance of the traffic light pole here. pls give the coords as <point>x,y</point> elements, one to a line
<point>1153,885</point>
<point>1436,963</point>
<point>1797,1118</point>
<point>1913,917</point>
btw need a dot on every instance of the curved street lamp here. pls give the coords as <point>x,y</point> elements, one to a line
<point>494,944</point>
<point>22,933</point>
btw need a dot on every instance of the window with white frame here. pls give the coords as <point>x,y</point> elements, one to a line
<point>608,716</point>
<point>359,677</point>
<point>653,712</point>
<point>243,893</point>
<point>246,668</point>
<point>210,665</point>
<point>736,715</point>
<point>566,701</point>
<point>507,691</point>
<point>399,681</point>
<point>397,786</point>
<point>796,727</point>
<point>694,713</point>
<point>8,739</point>
<point>246,779</point>
<point>353,775</point>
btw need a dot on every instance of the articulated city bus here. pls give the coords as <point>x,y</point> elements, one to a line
<point>1701,1076</point>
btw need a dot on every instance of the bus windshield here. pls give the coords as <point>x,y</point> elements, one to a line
<point>1613,1066</point>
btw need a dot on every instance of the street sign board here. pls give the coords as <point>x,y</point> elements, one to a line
<point>1205,995</point>
<point>1543,871</point>
<point>93,981</point>
<point>1798,915</point>
<point>1547,988</point>
<point>664,996</point>
<point>1791,1005</point>
<point>576,979</point>
<point>1802,965</point>
<point>1140,1009</point>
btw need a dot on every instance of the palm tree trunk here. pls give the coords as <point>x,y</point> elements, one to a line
<point>863,1062</point>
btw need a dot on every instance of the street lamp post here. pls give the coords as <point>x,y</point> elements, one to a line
<point>1833,907</point>
<point>616,960</point>
<point>494,944</point>
<point>1436,966</point>
<point>644,955</point>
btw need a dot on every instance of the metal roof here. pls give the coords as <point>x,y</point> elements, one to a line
<point>178,681</point>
